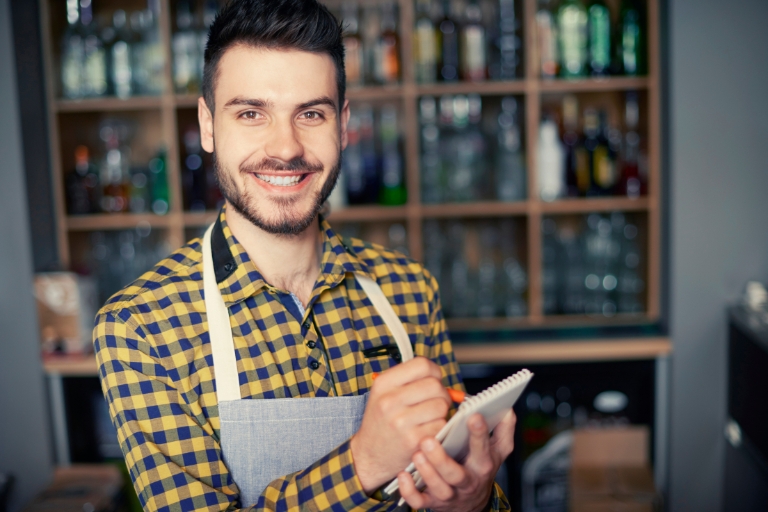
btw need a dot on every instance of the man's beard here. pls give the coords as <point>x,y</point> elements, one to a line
<point>289,223</point>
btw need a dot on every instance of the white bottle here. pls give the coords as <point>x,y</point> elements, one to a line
<point>551,162</point>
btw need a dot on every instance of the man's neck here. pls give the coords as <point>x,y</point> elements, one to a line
<point>290,263</point>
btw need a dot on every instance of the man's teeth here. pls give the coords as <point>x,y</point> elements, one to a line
<point>280,181</point>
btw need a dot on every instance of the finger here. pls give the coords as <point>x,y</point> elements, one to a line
<point>480,459</point>
<point>432,413</point>
<point>415,499</point>
<point>438,487</point>
<point>421,390</point>
<point>503,439</point>
<point>448,469</point>
<point>401,374</point>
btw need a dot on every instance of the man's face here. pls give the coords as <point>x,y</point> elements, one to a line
<point>277,133</point>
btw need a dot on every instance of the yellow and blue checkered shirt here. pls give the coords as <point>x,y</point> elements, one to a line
<point>156,368</point>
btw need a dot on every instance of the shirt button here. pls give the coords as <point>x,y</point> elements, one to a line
<point>311,344</point>
<point>307,324</point>
<point>228,267</point>
<point>314,365</point>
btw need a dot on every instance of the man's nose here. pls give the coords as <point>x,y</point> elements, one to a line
<point>283,143</point>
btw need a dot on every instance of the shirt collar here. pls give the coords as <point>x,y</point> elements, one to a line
<point>238,277</point>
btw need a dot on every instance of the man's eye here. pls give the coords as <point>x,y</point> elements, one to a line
<point>312,115</point>
<point>250,114</point>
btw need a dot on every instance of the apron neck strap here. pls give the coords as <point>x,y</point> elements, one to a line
<point>223,343</point>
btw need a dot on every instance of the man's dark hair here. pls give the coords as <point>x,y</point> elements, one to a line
<point>303,25</point>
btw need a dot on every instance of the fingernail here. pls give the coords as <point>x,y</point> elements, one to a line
<point>477,424</point>
<point>418,458</point>
<point>428,445</point>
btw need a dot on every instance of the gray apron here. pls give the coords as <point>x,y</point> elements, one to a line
<point>262,440</point>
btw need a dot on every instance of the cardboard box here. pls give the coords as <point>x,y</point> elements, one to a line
<point>66,307</point>
<point>610,471</point>
<point>79,488</point>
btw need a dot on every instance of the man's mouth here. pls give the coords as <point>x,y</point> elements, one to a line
<point>282,181</point>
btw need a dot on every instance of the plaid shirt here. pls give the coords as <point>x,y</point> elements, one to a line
<point>156,367</point>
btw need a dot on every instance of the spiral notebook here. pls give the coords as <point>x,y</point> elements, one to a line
<point>493,404</point>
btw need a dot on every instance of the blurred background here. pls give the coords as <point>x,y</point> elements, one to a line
<point>586,179</point>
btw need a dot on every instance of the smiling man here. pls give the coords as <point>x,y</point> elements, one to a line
<point>239,370</point>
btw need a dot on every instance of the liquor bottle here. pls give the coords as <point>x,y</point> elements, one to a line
<point>392,180</point>
<point>158,182</point>
<point>572,28</point>
<point>114,173</point>
<point>432,187</point>
<point>509,40</point>
<point>353,45</point>
<point>631,184</point>
<point>449,44</point>
<point>186,51</point>
<point>473,45</point>
<point>152,65</point>
<point>551,162</point>
<point>602,159</point>
<point>120,54</point>
<point>425,43</point>
<point>599,38</point>
<point>210,8</point>
<point>194,178</point>
<point>95,81</point>
<point>464,150</point>
<point>546,30</point>
<point>631,40</point>
<point>371,30</point>
<point>510,160</point>
<point>388,47</point>
<point>83,185</point>
<point>352,162</point>
<point>571,143</point>
<point>446,144</point>
<point>72,54</point>
<point>363,182</point>
<point>138,190</point>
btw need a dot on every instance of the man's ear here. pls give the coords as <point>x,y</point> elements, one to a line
<point>344,118</point>
<point>205,118</point>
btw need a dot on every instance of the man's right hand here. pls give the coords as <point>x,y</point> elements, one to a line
<point>406,404</point>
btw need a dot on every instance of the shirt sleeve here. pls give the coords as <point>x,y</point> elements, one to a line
<point>440,350</point>
<point>172,450</point>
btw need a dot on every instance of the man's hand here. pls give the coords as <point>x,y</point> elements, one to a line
<point>460,487</point>
<point>406,404</point>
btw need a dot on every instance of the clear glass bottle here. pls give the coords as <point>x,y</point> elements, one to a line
<point>388,47</point>
<point>632,185</point>
<point>120,54</point>
<point>353,45</point>
<point>449,44</point>
<point>425,43</point>
<point>473,45</point>
<point>72,54</point>
<point>510,159</point>
<point>551,162</point>
<point>546,32</point>
<point>186,51</point>
<point>432,186</point>
<point>95,82</point>
<point>574,38</point>
<point>509,41</point>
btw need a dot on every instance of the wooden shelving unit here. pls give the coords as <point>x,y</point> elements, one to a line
<point>533,92</point>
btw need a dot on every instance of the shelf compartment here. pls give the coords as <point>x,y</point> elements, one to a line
<point>387,92</point>
<point>369,213</point>
<point>109,104</point>
<point>112,221</point>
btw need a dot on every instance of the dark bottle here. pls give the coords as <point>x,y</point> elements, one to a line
<point>571,143</point>
<point>195,181</point>
<point>158,180</point>
<point>82,185</point>
<point>630,47</point>
<point>449,44</point>
<point>353,45</point>
<point>392,190</point>
<point>602,155</point>
<point>572,21</point>
<point>425,43</point>
<point>599,38</point>
<point>631,184</point>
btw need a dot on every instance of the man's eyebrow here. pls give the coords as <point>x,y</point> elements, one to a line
<point>253,102</point>
<point>323,100</point>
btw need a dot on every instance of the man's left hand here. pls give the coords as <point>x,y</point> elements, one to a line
<point>460,487</point>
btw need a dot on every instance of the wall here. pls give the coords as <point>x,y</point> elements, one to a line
<point>24,441</point>
<point>718,171</point>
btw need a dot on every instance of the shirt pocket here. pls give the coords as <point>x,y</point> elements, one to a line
<point>386,354</point>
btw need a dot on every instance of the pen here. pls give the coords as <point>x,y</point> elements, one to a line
<point>456,395</point>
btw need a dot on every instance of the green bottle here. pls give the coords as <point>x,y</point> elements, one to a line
<point>159,183</point>
<point>572,25</point>
<point>631,58</point>
<point>392,191</point>
<point>599,38</point>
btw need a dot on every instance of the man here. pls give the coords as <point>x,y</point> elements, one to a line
<point>196,355</point>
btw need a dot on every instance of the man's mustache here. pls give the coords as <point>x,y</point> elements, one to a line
<point>271,164</point>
